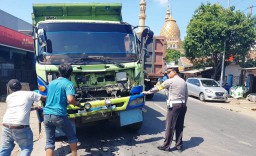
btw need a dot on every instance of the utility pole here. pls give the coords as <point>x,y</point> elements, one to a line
<point>222,64</point>
<point>251,9</point>
<point>223,56</point>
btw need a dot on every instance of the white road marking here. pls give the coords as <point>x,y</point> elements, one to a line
<point>230,136</point>
<point>161,108</point>
<point>245,143</point>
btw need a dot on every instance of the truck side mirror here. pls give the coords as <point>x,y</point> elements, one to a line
<point>48,46</point>
<point>148,35</point>
<point>41,37</point>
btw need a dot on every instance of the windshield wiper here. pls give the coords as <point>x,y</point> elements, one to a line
<point>102,59</point>
<point>108,60</point>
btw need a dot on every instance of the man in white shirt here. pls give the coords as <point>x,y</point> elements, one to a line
<point>16,120</point>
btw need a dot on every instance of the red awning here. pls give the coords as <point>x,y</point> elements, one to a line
<point>16,39</point>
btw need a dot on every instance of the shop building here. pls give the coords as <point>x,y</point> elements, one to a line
<point>16,52</point>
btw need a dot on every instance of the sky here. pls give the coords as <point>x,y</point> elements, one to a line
<point>181,10</point>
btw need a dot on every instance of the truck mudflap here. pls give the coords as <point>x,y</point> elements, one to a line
<point>130,116</point>
<point>101,106</point>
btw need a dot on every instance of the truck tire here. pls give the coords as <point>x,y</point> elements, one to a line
<point>149,96</point>
<point>134,127</point>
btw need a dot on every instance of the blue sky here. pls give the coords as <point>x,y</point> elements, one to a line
<point>182,10</point>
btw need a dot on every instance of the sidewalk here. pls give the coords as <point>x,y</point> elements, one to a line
<point>241,106</point>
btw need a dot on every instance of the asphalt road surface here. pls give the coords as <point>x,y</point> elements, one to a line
<point>208,131</point>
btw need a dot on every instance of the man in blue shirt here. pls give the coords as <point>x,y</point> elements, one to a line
<point>60,93</point>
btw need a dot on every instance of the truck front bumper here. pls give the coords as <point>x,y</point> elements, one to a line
<point>101,107</point>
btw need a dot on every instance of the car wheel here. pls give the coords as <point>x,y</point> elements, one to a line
<point>201,97</point>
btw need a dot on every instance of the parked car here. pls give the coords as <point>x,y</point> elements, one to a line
<point>206,89</point>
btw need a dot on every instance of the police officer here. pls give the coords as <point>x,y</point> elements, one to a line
<point>176,104</point>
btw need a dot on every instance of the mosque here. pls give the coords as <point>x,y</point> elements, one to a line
<point>170,29</point>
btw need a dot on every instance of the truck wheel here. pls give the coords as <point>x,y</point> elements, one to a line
<point>148,87</point>
<point>134,127</point>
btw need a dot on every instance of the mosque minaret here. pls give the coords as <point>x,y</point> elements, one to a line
<point>142,16</point>
<point>170,29</point>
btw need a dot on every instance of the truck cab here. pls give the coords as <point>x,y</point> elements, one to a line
<point>105,55</point>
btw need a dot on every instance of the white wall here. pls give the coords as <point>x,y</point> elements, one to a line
<point>233,69</point>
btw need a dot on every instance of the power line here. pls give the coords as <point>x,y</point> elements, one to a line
<point>252,6</point>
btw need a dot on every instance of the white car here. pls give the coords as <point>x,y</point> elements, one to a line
<point>206,89</point>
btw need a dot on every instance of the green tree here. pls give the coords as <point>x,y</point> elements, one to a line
<point>173,55</point>
<point>213,28</point>
<point>242,34</point>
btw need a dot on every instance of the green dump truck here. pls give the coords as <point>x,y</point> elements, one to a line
<point>106,55</point>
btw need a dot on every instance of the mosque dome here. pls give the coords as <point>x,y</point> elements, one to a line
<point>170,29</point>
<point>171,32</point>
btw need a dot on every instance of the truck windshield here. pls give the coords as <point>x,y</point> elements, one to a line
<point>68,42</point>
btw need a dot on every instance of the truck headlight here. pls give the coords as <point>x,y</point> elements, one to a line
<point>87,106</point>
<point>137,101</point>
<point>108,102</point>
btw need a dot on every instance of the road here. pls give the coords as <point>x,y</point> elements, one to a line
<point>209,131</point>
